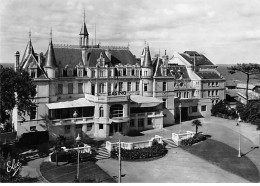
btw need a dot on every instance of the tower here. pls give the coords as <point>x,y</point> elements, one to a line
<point>50,65</point>
<point>27,53</point>
<point>83,35</point>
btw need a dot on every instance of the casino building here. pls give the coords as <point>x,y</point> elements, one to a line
<point>97,91</point>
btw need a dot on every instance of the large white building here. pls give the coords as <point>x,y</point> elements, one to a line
<point>101,90</point>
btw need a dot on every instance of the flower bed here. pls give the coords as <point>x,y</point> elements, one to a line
<point>71,156</point>
<point>156,150</point>
<point>195,139</point>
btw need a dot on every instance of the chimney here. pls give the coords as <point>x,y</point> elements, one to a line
<point>17,56</point>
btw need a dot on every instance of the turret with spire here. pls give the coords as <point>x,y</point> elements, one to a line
<point>83,40</point>
<point>28,51</point>
<point>50,64</point>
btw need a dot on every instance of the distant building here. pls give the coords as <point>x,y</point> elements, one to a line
<point>99,90</point>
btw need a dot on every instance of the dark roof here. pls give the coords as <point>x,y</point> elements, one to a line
<point>178,72</point>
<point>72,56</point>
<point>84,30</point>
<point>199,58</point>
<point>157,62</point>
<point>147,58</point>
<point>50,60</point>
<point>28,50</point>
<point>208,75</point>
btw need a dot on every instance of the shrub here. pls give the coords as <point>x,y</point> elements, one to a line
<point>195,139</point>
<point>72,156</point>
<point>143,153</point>
<point>221,109</point>
<point>33,139</point>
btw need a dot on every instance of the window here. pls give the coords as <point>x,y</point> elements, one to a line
<point>145,87</point>
<point>217,84</point>
<point>32,74</point>
<point>133,72</point>
<point>124,72</point>
<point>184,94</point>
<point>70,88</point>
<point>78,126</point>
<point>101,112</point>
<point>194,109</point>
<point>32,113</point>
<point>89,126</point>
<point>101,88</point>
<point>128,86</point>
<point>181,84</point>
<point>140,122</point>
<point>80,88</point>
<point>209,94</point>
<point>116,110</point>
<point>92,89</point>
<point>203,108</point>
<point>93,73</point>
<point>101,73</point>
<point>60,88</point>
<point>145,73</point>
<point>100,126</point>
<point>213,84</point>
<point>132,123</point>
<point>67,129</point>
<point>109,73</point>
<point>164,103</point>
<point>109,87</point>
<point>164,86</point>
<point>213,92</point>
<point>120,86</point>
<point>149,121</point>
<point>216,92</point>
<point>33,128</point>
<point>137,86</point>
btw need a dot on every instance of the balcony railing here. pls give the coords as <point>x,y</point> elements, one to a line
<point>148,114</point>
<point>79,120</point>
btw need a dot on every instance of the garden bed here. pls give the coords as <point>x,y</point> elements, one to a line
<point>193,140</point>
<point>142,154</point>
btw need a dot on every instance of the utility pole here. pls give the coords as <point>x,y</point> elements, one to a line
<point>119,158</point>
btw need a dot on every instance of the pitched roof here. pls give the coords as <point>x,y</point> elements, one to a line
<point>73,56</point>
<point>200,59</point>
<point>84,30</point>
<point>28,50</point>
<point>208,75</point>
<point>50,60</point>
<point>243,86</point>
<point>147,58</point>
<point>178,72</point>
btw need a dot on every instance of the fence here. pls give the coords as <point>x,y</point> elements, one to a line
<point>177,138</point>
<point>133,145</point>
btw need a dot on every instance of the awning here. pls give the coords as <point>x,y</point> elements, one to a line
<point>81,102</point>
<point>143,101</point>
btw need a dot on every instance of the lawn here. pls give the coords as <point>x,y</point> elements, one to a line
<point>225,157</point>
<point>66,173</point>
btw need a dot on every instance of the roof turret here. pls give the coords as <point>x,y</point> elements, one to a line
<point>50,60</point>
<point>147,58</point>
<point>84,30</point>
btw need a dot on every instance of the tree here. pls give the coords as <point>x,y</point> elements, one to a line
<point>248,69</point>
<point>17,90</point>
<point>197,124</point>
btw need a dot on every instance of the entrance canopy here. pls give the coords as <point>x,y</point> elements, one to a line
<point>81,102</point>
<point>143,101</point>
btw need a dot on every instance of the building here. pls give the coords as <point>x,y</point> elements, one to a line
<point>95,90</point>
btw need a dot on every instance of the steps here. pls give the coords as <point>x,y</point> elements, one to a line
<point>170,144</point>
<point>102,152</point>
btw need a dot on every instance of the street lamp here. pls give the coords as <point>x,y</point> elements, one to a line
<point>119,159</point>
<point>78,139</point>
<point>239,139</point>
<point>180,117</point>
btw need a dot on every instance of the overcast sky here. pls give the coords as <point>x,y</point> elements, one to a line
<point>226,31</point>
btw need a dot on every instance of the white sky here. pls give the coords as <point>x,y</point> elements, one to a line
<point>226,31</point>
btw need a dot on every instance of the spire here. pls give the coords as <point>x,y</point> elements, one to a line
<point>147,58</point>
<point>28,50</point>
<point>84,30</point>
<point>50,60</point>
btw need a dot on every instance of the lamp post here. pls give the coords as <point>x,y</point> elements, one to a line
<point>239,139</point>
<point>78,139</point>
<point>180,117</point>
<point>119,159</point>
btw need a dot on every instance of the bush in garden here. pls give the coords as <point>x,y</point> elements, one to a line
<point>221,109</point>
<point>72,156</point>
<point>195,139</point>
<point>143,153</point>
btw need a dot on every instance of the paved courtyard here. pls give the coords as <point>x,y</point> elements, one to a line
<point>183,167</point>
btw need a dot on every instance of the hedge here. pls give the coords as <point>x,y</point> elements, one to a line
<point>72,156</point>
<point>195,139</point>
<point>143,153</point>
<point>34,138</point>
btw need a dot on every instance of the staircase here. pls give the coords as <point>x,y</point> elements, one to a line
<point>170,144</point>
<point>102,152</point>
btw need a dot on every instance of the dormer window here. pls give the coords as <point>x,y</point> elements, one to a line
<point>32,74</point>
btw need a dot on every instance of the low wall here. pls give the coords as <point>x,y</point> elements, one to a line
<point>177,138</point>
<point>7,137</point>
<point>133,145</point>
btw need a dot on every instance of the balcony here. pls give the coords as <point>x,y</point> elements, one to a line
<point>147,114</point>
<point>66,121</point>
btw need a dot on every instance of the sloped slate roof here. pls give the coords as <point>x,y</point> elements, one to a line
<point>208,75</point>
<point>174,72</point>
<point>199,58</point>
<point>73,56</point>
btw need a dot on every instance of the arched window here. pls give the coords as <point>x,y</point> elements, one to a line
<point>101,112</point>
<point>116,111</point>
<point>101,88</point>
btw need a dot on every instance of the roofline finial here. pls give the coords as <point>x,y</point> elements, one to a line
<point>51,34</point>
<point>84,15</point>
<point>30,34</point>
